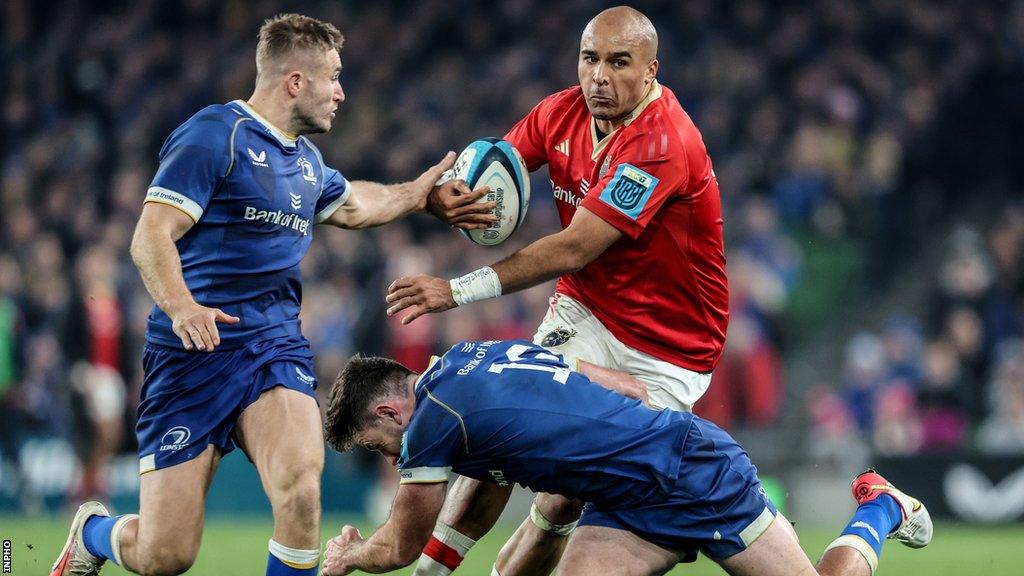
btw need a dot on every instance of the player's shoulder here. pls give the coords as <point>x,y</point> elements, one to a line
<point>662,130</point>
<point>561,102</point>
<point>216,120</point>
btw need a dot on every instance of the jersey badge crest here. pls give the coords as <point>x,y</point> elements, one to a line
<point>307,171</point>
<point>557,337</point>
<point>629,190</point>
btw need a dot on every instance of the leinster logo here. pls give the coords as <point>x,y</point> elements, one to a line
<point>175,439</point>
<point>307,171</point>
<point>557,337</point>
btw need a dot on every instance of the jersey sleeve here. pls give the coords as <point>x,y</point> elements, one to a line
<point>193,160</point>
<point>435,437</point>
<point>528,135</point>
<point>635,186</point>
<point>335,193</point>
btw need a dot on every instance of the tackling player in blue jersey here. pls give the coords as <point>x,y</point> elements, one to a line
<point>660,486</point>
<point>227,220</point>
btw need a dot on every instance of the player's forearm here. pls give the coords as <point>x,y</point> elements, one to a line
<point>383,203</point>
<point>545,259</point>
<point>384,551</point>
<point>159,264</point>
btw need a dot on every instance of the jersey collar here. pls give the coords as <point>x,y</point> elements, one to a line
<point>280,136</point>
<point>653,93</point>
<point>435,361</point>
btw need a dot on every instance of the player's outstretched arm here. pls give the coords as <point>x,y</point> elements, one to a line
<point>586,238</point>
<point>394,545</point>
<point>157,259</point>
<point>616,381</point>
<point>371,204</point>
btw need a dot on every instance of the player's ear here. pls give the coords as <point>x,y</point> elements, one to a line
<point>652,71</point>
<point>293,82</point>
<point>387,412</point>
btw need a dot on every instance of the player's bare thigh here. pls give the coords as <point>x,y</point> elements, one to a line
<point>776,552</point>
<point>171,513</point>
<point>614,552</point>
<point>283,436</point>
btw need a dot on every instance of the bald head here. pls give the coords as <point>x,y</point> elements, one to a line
<point>627,27</point>
<point>618,64</point>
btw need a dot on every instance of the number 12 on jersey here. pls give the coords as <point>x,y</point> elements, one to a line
<point>515,352</point>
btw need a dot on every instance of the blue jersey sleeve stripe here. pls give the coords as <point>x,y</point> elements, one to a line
<point>333,206</point>
<point>462,424</point>
<point>231,145</point>
<point>163,195</point>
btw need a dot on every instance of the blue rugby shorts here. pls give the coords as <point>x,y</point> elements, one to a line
<point>193,399</point>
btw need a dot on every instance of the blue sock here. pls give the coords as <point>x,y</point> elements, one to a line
<point>96,535</point>
<point>284,561</point>
<point>873,521</point>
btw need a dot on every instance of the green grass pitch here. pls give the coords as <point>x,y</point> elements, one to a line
<point>239,547</point>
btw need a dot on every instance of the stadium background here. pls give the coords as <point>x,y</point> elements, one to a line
<point>874,226</point>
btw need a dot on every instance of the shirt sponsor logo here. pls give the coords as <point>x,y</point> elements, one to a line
<point>258,159</point>
<point>565,195</point>
<point>478,357</point>
<point>563,147</point>
<point>289,220</point>
<point>175,439</point>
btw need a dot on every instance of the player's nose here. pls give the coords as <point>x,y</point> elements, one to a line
<point>339,94</point>
<point>600,75</point>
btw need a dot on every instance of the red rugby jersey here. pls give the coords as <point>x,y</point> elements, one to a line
<point>662,288</point>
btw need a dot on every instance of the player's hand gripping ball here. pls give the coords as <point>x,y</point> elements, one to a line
<point>497,164</point>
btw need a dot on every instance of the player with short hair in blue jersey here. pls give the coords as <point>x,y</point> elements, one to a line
<point>660,486</point>
<point>226,222</point>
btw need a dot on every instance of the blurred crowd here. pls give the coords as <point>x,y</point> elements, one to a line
<point>819,117</point>
<point>951,377</point>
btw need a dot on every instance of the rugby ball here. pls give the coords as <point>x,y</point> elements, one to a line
<point>496,163</point>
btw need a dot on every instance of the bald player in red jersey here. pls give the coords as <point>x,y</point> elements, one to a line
<point>641,304</point>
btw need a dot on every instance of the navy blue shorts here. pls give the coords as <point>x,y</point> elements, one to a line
<point>717,506</point>
<point>193,399</point>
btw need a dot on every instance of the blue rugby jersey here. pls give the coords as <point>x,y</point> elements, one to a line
<point>254,195</point>
<point>512,411</point>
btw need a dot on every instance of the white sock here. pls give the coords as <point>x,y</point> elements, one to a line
<point>296,558</point>
<point>858,544</point>
<point>443,552</point>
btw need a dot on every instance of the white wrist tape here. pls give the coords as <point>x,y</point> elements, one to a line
<point>548,526</point>
<point>479,284</point>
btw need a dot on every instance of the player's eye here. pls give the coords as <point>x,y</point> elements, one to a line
<point>590,59</point>
<point>620,63</point>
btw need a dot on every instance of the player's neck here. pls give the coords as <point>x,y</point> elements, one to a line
<point>606,127</point>
<point>277,116</point>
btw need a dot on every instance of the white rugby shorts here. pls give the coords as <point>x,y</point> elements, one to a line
<point>570,329</point>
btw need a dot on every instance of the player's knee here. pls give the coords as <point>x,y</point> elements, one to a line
<point>297,495</point>
<point>558,509</point>
<point>166,561</point>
